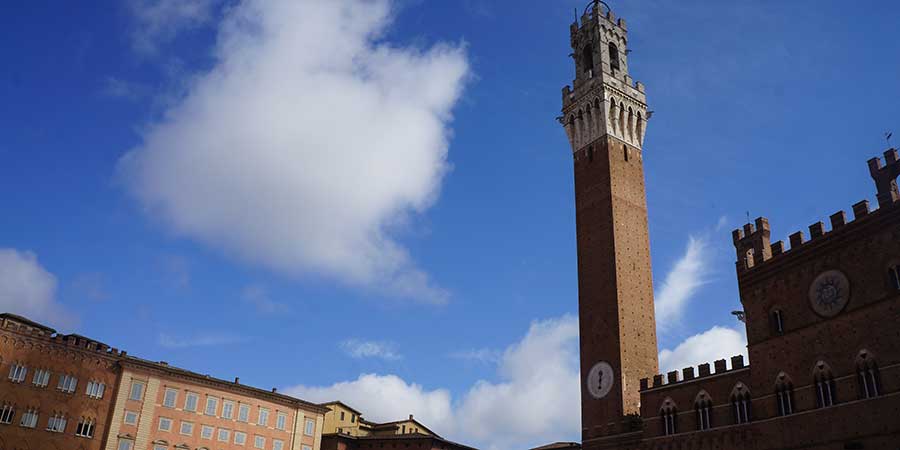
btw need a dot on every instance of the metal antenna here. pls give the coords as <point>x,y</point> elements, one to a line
<point>748,216</point>
<point>887,137</point>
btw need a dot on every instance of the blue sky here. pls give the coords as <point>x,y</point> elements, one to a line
<point>426,236</point>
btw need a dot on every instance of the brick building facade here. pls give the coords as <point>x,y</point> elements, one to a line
<point>821,316</point>
<point>69,392</point>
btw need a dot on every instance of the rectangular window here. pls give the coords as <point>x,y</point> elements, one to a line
<point>227,409</point>
<point>17,373</point>
<point>224,435</point>
<point>160,447</point>
<point>212,404</point>
<point>240,438</point>
<point>352,418</point>
<point>187,428</point>
<point>190,402</point>
<point>67,384</point>
<point>306,447</point>
<point>206,432</point>
<point>342,416</point>
<point>280,421</point>
<point>259,442</point>
<point>56,423</point>
<point>7,413</point>
<point>263,418</point>
<point>310,427</point>
<point>41,378</point>
<point>29,419</point>
<point>95,389</point>
<point>131,418</point>
<point>243,413</point>
<point>277,445</point>
<point>170,397</point>
<point>137,390</point>
<point>126,444</point>
<point>85,428</point>
<point>165,424</point>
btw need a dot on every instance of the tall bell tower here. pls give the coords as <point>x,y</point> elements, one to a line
<point>605,117</point>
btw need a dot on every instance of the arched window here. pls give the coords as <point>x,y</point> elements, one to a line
<point>824,385</point>
<point>668,415</point>
<point>629,133</point>
<point>777,321</point>
<point>740,403</point>
<point>613,56</point>
<point>613,114</point>
<point>784,394</point>
<point>894,276</point>
<point>639,131</point>
<point>587,60</point>
<point>703,406</point>
<point>867,375</point>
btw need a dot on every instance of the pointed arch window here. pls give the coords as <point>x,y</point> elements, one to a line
<point>613,57</point>
<point>824,385</point>
<point>703,407</point>
<point>587,60</point>
<point>740,403</point>
<point>668,415</point>
<point>867,375</point>
<point>784,395</point>
<point>894,276</point>
<point>777,321</point>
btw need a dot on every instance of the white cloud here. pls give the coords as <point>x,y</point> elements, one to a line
<point>682,282</point>
<point>159,21</point>
<point>28,289</point>
<point>385,398</point>
<point>357,348</point>
<point>716,343</point>
<point>535,401</point>
<point>307,145</point>
<point>198,340</point>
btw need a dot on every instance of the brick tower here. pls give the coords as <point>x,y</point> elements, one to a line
<point>605,115</point>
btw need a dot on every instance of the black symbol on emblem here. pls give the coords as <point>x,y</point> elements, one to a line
<point>829,293</point>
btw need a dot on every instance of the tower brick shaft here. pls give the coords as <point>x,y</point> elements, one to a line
<point>605,117</point>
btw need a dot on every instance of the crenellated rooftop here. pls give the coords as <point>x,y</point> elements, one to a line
<point>688,374</point>
<point>23,326</point>
<point>752,242</point>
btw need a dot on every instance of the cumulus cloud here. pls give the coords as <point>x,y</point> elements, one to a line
<point>534,400</point>
<point>159,21</point>
<point>386,398</point>
<point>308,145</point>
<point>28,289</point>
<point>356,348</point>
<point>716,343</point>
<point>682,282</point>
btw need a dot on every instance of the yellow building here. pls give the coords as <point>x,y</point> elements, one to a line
<point>345,420</point>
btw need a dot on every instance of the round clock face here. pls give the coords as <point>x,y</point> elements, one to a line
<point>829,293</point>
<point>600,379</point>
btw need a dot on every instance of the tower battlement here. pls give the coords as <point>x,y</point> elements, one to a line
<point>752,242</point>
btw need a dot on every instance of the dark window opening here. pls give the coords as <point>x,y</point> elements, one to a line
<point>669,418</point>
<point>590,154</point>
<point>740,402</point>
<point>894,274</point>
<point>867,376</point>
<point>703,407</point>
<point>778,321</point>
<point>625,151</point>
<point>613,56</point>
<point>825,392</point>
<point>784,395</point>
<point>587,59</point>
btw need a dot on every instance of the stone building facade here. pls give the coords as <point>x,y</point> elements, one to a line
<point>69,392</point>
<point>346,429</point>
<point>821,314</point>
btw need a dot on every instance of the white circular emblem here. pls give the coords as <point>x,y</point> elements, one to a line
<point>829,293</point>
<point>600,379</point>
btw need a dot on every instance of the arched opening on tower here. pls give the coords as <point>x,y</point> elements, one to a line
<point>613,56</point>
<point>587,60</point>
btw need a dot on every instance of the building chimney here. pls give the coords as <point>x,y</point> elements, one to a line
<point>274,390</point>
<point>237,380</point>
<point>410,417</point>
